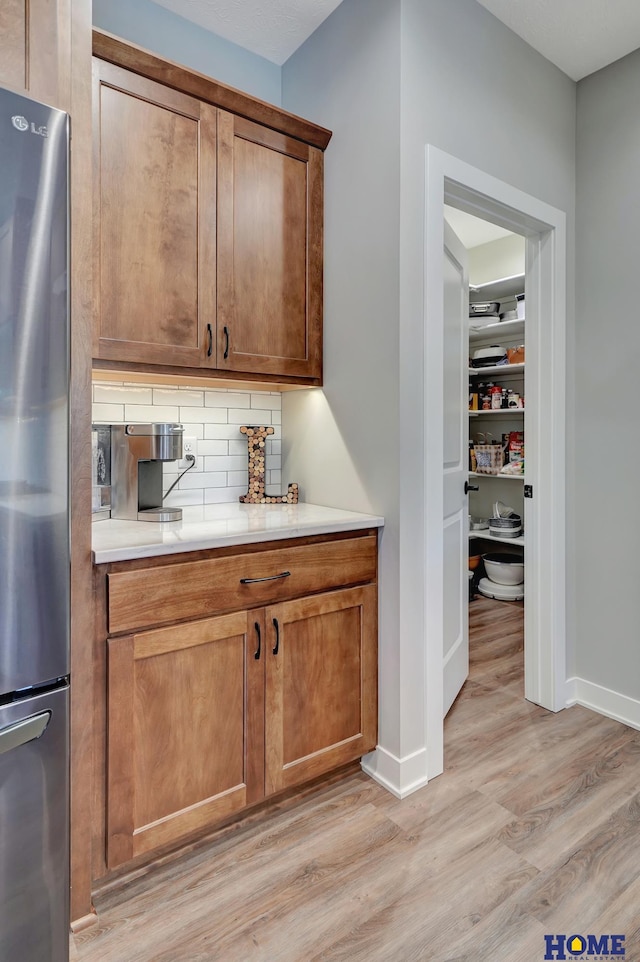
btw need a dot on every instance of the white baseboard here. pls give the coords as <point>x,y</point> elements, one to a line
<point>605,702</point>
<point>403,776</point>
<point>400,776</point>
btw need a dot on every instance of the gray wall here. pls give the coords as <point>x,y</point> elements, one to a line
<point>465,83</point>
<point>503,257</point>
<point>477,91</point>
<point>151,26</point>
<point>342,444</point>
<point>606,362</point>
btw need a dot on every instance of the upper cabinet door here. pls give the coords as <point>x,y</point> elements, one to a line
<point>155,196</point>
<point>35,49</point>
<point>270,200</point>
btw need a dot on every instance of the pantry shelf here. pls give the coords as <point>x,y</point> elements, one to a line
<point>506,330</point>
<point>499,412</point>
<point>504,369</point>
<point>500,288</point>
<point>485,536</point>
<point>503,477</point>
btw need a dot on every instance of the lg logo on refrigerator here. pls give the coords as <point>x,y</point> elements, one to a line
<point>21,123</point>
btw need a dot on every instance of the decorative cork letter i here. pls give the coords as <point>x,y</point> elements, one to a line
<point>257,437</point>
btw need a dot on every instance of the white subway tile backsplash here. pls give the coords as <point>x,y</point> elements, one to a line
<point>227,399</point>
<point>221,432</point>
<point>150,413</point>
<point>237,448</point>
<point>192,430</point>
<point>119,394</point>
<point>223,495</point>
<point>226,463</point>
<point>212,416</point>
<point>108,413</point>
<point>182,498</point>
<point>206,479</point>
<point>269,402</point>
<point>242,416</point>
<point>180,396</point>
<point>208,448</point>
<point>239,478</point>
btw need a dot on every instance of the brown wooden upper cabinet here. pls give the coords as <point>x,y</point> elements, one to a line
<point>269,251</point>
<point>154,221</point>
<point>35,49</point>
<point>208,228</point>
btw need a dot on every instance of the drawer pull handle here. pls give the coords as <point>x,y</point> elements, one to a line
<point>277,628</point>
<point>257,654</point>
<point>255,581</point>
<point>210,334</point>
<point>226,343</point>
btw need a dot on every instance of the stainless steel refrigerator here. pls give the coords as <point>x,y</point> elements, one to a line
<point>34,532</point>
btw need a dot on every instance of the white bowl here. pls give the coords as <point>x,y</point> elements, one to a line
<point>500,592</point>
<point>506,571</point>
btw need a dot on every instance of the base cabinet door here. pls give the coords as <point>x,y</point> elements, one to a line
<point>321,685</point>
<point>186,730</point>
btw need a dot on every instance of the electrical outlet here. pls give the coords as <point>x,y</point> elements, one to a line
<point>189,446</point>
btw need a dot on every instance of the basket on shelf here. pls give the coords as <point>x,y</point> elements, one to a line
<point>489,457</point>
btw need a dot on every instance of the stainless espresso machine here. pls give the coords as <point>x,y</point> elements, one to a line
<point>137,455</point>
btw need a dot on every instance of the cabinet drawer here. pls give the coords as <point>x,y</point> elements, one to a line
<point>196,589</point>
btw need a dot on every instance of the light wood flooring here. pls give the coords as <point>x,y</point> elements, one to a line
<point>533,829</point>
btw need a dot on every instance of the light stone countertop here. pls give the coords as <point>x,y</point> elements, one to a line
<point>221,525</point>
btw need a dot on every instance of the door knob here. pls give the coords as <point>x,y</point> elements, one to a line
<point>470,487</point>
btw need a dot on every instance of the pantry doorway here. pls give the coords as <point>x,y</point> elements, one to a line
<point>452,182</point>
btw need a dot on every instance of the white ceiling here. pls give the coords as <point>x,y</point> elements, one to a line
<point>271,28</point>
<point>579,36</point>
<point>471,230</point>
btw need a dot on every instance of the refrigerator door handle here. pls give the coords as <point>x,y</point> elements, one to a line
<point>26,730</point>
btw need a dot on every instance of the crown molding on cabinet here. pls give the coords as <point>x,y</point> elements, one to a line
<point>132,57</point>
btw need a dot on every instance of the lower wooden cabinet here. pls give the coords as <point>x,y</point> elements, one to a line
<point>185,724</point>
<point>321,668</point>
<point>206,717</point>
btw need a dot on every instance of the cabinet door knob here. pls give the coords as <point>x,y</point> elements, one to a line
<point>257,654</point>
<point>470,487</point>
<point>277,630</point>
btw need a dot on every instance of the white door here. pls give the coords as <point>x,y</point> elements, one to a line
<point>455,468</point>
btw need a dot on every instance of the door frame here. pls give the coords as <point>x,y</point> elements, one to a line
<point>454,182</point>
